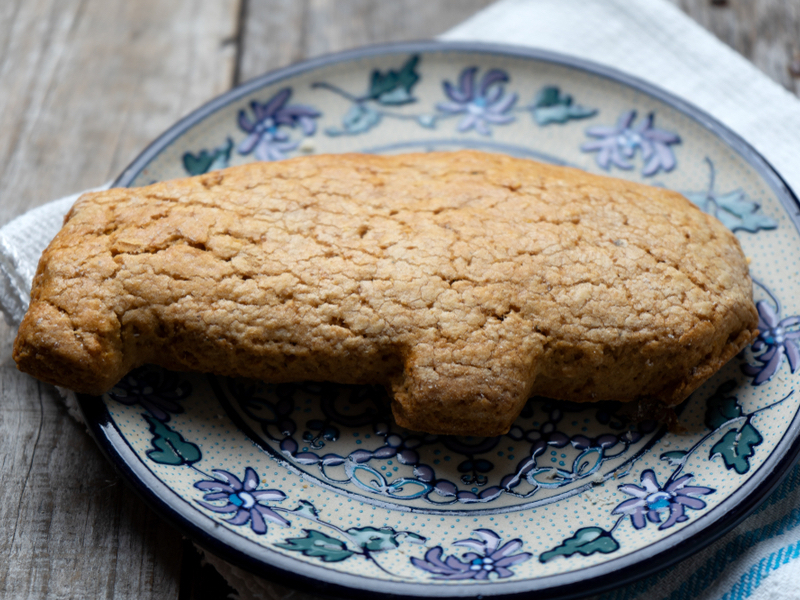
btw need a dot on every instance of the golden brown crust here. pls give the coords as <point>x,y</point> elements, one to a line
<point>462,281</point>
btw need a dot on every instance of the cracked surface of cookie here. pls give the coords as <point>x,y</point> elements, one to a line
<point>463,282</point>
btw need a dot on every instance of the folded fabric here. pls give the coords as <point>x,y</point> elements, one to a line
<point>22,242</point>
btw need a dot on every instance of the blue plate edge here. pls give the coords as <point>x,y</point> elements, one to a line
<point>591,580</point>
<point>579,583</point>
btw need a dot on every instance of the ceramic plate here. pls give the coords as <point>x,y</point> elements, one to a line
<point>314,485</point>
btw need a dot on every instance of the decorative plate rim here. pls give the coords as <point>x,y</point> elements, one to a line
<point>309,577</point>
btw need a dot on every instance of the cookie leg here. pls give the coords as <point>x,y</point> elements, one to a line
<point>446,389</point>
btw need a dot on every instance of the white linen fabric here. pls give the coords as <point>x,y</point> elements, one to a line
<point>656,42</point>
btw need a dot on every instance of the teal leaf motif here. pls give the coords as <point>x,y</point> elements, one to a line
<point>427,121</point>
<point>318,545</point>
<point>737,211</point>
<point>170,448</point>
<point>207,161</point>
<point>380,540</point>
<point>734,209</point>
<point>674,458</point>
<point>412,537</point>
<point>373,539</point>
<point>358,119</point>
<point>736,447</point>
<point>394,87</point>
<point>306,509</point>
<point>586,541</point>
<point>721,407</point>
<point>551,106</point>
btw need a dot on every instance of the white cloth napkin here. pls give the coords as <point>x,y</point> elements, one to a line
<point>652,40</point>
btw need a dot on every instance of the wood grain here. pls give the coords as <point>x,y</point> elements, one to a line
<point>87,84</point>
<point>765,31</point>
<point>280,32</point>
<point>71,529</point>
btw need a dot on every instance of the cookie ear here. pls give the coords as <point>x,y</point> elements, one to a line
<point>478,385</point>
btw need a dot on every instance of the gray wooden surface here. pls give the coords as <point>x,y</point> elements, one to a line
<point>84,86</point>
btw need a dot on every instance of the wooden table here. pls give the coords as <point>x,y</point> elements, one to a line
<point>85,85</point>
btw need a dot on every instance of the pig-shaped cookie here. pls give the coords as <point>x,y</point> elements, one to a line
<point>462,282</point>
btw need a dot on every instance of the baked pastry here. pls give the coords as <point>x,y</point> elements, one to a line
<point>463,282</point>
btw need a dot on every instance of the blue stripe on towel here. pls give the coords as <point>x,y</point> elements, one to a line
<point>786,487</point>
<point>706,574</point>
<point>750,580</point>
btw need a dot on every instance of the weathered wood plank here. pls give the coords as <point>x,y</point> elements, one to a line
<point>87,84</point>
<point>280,32</point>
<point>70,527</point>
<point>765,31</point>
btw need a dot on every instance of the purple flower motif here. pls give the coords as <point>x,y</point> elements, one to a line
<point>266,138</point>
<point>776,339</point>
<point>493,558</point>
<point>652,501</point>
<point>487,104</point>
<point>617,144</point>
<point>243,499</point>
<point>155,390</point>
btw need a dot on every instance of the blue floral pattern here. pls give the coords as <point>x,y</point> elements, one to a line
<point>488,560</point>
<point>481,104</point>
<point>777,338</point>
<point>666,504</point>
<point>242,498</point>
<point>652,501</point>
<point>542,452</point>
<point>158,391</point>
<point>267,138</point>
<point>618,144</point>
